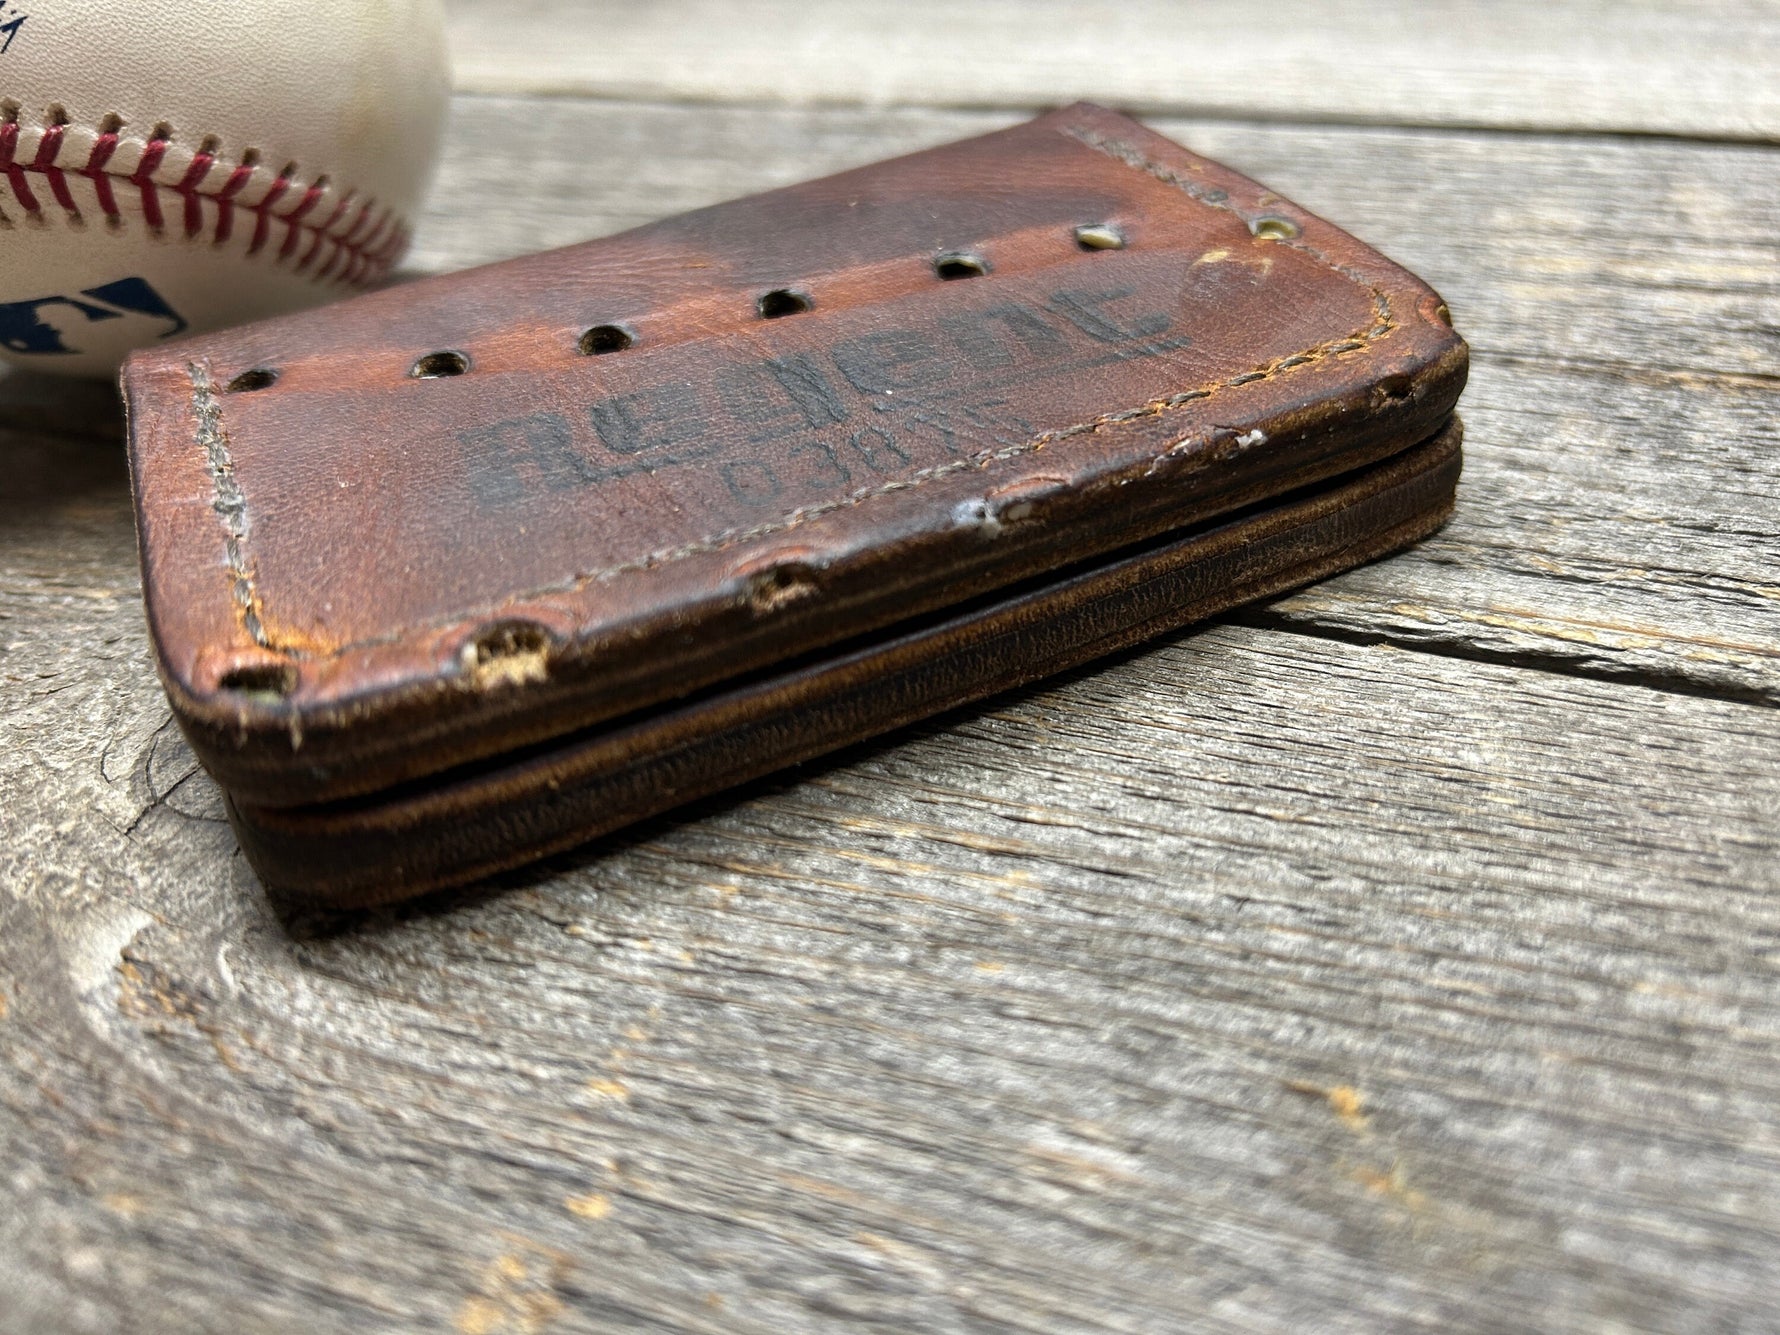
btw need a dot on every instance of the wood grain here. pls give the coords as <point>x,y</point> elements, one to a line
<point>1403,957</point>
<point>1249,978</point>
<point>1697,69</point>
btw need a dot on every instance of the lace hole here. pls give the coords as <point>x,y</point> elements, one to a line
<point>1274,229</point>
<point>780,302</point>
<point>261,377</point>
<point>440,365</point>
<point>605,338</point>
<point>960,264</point>
<point>1099,236</point>
<point>264,683</point>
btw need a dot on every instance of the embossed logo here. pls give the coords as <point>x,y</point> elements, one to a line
<point>805,423</point>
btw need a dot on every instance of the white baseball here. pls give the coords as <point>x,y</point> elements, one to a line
<point>170,166</point>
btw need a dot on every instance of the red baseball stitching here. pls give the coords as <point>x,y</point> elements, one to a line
<point>372,241</point>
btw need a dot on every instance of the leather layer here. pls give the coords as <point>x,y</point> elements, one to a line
<point>684,454</point>
<point>465,824</point>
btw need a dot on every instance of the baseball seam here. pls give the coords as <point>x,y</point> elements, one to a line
<point>353,242</point>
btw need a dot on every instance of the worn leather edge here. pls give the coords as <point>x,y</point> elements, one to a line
<point>414,736</point>
<point>497,816</point>
<point>296,752</point>
<point>401,725</point>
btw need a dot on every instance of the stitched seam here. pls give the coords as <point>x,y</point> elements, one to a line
<point>227,500</point>
<point>981,459</point>
<point>1356,341</point>
<point>355,242</point>
<point>729,538</point>
<point>1132,156</point>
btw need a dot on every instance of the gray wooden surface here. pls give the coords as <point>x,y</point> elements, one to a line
<point>1404,954</point>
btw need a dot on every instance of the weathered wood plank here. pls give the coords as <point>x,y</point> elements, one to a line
<point>1256,980</point>
<point>1699,69</point>
<point>1621,508</point>
<point>1251,979</point>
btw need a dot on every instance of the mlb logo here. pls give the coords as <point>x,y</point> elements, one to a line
<point>55,325</point>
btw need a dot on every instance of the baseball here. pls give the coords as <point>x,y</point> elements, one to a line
<point>171,166</point>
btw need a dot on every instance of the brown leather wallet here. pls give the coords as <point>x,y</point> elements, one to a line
<point>462,572</point>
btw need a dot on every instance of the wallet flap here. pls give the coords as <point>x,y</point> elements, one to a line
<point>463,824</point>
<point>450,518</point>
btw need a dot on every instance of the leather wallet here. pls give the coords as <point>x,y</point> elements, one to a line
<point>452,575</point>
